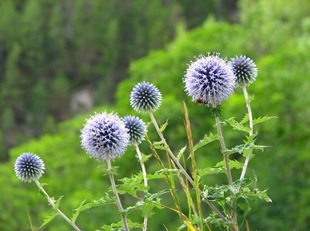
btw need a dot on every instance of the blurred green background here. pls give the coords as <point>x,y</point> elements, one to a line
<point>62,60</point>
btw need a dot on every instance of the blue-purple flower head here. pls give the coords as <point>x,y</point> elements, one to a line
<point>145,97</point>
<point>209,80</point>
<point>136,129</point>
<point>244,69</point>
<point>29,167</point>
<point>104,136</point>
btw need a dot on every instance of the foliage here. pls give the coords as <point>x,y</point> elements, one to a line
<point>276,37</point>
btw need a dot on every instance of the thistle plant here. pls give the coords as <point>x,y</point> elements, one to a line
<point>245,71</point>
<point>30,167</point>
<point>210,81</point>
<point>105,137</point>
<point>136,130</point>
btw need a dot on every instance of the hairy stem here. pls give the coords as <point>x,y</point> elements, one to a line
<point>248,105</point>
<point>223,147</point>
<point>145,181</point>
<point>52,203</point>
<point>118,201</point>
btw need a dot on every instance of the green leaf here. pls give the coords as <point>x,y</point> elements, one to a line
<point>56,205</point>
<point>220,168</point>
<point>246,193</point>
<point>119,226</point>
<point>263,119</point>
<point>49,218</point>
<point>77,212</point>
<point>132,185</point>
<point>145,157</point>
<point>156,175</point>
<point>233,164</point>
<point>106,199</point>
<point>206,140</point>
<point>105,171</point>
<point>159,145</point>
<point>163,127</point>
<point>247,148</point>
<point>210,171</point>
<point>238,125</point>
<point>181,152</point>
<point>245,119</point>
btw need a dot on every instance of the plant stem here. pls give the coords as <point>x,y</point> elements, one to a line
<point>145,180</point>
<point>228,171</point>
<point>142,165</point>
<point>188,177</point>
<point>223,147</point>
<point>52,203</point>
<point>118,201</point>
<point>248,105</point>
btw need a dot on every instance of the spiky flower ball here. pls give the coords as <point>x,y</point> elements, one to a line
<point>104,136</point>
<point>145,97</point>
<point>136,129</point>
<point>244,69</point>
<point>209,80</point>
<point>29,167</point>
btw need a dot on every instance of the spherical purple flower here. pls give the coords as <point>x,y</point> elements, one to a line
<point>29,167</point>
<point>244,69</point>
<point>104,136</point>
<point>209,80</point>
<point>145,97</point>
<point>136,129</point>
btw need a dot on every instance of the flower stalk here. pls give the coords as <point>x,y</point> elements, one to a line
<point>118,200</point>
<point>52,203</point>
<point>248,105</point>
<point>145,220</point>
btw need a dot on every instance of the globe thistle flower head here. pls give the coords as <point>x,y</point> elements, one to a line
<point>209,80</point>
<point>136,129</point>
<point>145,97</point>
<point>29,167</point>
<point>104,136</point>
<point>244,69</point>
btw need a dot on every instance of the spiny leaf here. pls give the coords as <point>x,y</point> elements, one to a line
<point>145,157</point>
<point>159,145</point>
<point>163,127</point>
<point>119,226</point>
<point>132,185</point>
<point>245,119</point>
<point>156,175</point>
<point>232,164</point>
<point>206,140</point>
<point>106,199</point>
<point>209,171</point>
<point>237,125</point>
<point>246,193</point>
<point>181,152</point>
<point>106,171</point>
<point>49,218</point>
<point>56,205</point>
<point>263,119</point>
<point>77,212</point>
<point>220,168</point>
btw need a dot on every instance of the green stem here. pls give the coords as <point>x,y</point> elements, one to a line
<point>223,147</point>
<point>248,105</point>
<point>145,180</point>
<point>118,201</point>
<point>52,203</point>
